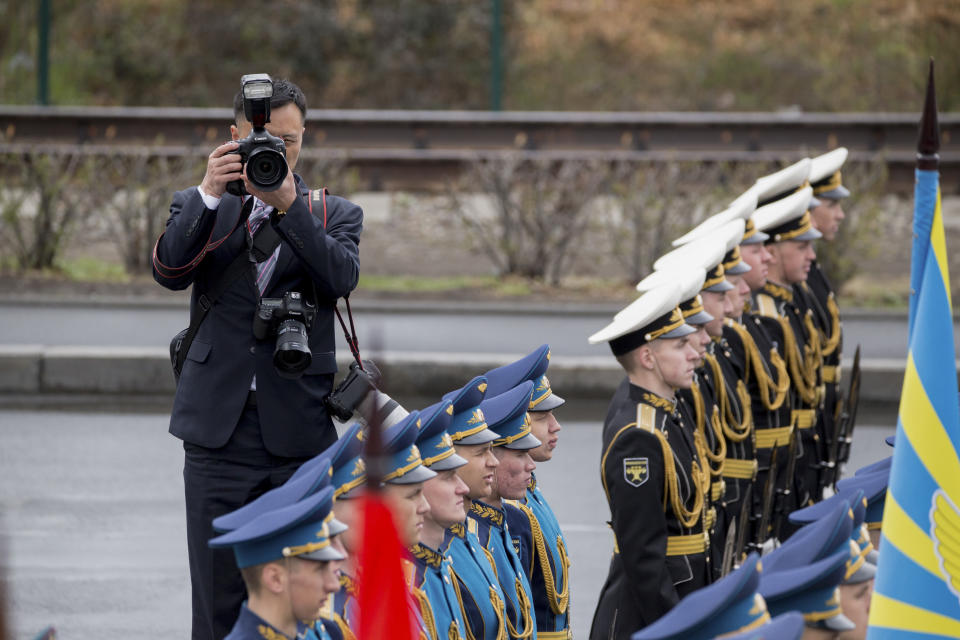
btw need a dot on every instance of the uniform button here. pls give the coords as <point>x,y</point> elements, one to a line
<point>253,349</point>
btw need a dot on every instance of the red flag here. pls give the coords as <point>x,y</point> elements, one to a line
<point>383,600</point>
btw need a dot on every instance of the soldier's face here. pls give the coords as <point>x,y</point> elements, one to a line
<point>826,217</point>
<point>737,297</point>
<point>758,257</point>
<point>286,122</point>
<point>310,582</point>
<point>675,358</point>
<point>546,429</point>
<point>408,507</point>
<point>699,341</point>
<point>719,306</point>
<point>855,602</point>
<point>514,473</point>
<point>444,494</point>
<point>793,259</point>
<point>477,474</point>
<point>348,511</point>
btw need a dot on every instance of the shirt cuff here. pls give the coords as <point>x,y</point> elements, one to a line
<point>210,202</point>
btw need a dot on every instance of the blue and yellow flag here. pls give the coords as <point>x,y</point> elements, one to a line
<point>917,590</point>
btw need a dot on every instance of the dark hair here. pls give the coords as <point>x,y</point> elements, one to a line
<point>284,92</point>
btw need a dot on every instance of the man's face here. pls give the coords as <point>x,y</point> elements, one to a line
<point>757,256</point>
<point>826,217</point>
<point>408,507</point>
<point>513,475</point>
<point>699,341</point>
<point>855,602</point>
<point>286,122</point>
<point>718,305</point>
<point>348,512</point>
<point>793,259</point>
<point>311,581</point>
<point>737,296</point>
<point>675,358</point>
<point>444,494</point>
<point>477,474</point>
<point>546,429</point>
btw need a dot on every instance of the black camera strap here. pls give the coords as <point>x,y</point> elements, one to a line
<point>265,241</point>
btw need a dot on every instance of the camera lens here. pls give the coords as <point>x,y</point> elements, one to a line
<point>292,353</point>
<point>266,169</point>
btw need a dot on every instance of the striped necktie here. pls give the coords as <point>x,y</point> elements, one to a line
<point>261,211</point>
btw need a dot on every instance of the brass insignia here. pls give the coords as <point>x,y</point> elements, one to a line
<point>450,409</point>
<point>834,601</point>
<point>476,418</point>
<point>516,543</point>
<point>548,355</point>
<point>359,467</point>
<point>445,442</point>
<point>482,387</point>
<point>636,471</point>
<point>360,435</point>
<point>414,454</point>
<point>759,605</point>
<point>544,384</point>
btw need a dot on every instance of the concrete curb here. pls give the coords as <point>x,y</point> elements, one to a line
<point>34,375</point>
<point>180,300</point>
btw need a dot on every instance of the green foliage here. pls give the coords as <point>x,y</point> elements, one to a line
<point>821,55</point>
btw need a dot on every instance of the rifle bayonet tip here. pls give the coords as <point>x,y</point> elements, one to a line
<point>928,144</point>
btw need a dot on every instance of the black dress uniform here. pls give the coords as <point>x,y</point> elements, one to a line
<point>655,488</point>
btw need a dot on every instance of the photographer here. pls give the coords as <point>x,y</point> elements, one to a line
<point>246,423</point>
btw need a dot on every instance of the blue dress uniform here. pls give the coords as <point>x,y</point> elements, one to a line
<point>433,583</point>
<point>730,605</point>
<point>296,530</point>
<point>506,415</point>
<point>654,484</point>
<point>533,526</point>
<point>482,602</point>
<point>787,220</point>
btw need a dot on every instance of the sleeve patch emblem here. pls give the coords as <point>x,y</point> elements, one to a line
<point>636,471</point>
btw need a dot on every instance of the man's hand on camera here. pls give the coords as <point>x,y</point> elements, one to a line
<point>281,199</point>
<point>223,166</point>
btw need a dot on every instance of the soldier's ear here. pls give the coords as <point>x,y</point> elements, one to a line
<point>646,358</point>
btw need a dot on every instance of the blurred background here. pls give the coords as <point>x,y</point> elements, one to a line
<point>539,213</point>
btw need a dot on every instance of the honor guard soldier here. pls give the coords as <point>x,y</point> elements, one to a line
<point>729,606</point>
<point>433,585</point>
<point>650,470</point>
<point>533,526</point>
<point>698,405</point>
<point>288,567</point>
<point>826,212</point>
<point>349,475</point>
<point>482,602</point>
<point>726,357</point>
<point>506,415</point>
<point>787,222</point>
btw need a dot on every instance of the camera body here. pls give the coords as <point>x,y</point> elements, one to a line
<point>358,395</point>
<point>263,154</point>
<point>288,317</point>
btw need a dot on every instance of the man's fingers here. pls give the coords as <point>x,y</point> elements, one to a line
<point>224,149</point>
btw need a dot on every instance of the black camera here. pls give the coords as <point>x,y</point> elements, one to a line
<point>288,317</point>
<point>263,154</point>
<point>357,394</point>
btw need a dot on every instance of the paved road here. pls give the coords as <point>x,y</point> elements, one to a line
<point>470,330</point>
<point>92,535</point>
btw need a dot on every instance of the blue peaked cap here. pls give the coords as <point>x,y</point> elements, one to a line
<point>880,465</point>
<point>295,530</point>
<point>729,605</point>
<point>469,426</point>
<point>293,490</point>
<point>403,464</point>
<point>435,444</point>
<point>811,589</point>
<point>347,460</point>
<point>787,626</point>
<point>530,367</point>
<point>874,486</point>
<point>506,416</point>
<point>831,533</point>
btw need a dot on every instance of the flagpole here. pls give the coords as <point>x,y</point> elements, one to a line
<point>927,184</point>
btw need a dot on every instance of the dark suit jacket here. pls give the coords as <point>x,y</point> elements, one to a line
<point>225,355</point>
